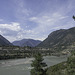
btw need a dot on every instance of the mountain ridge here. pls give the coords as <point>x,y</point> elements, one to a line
<point>4,41</point>
<point>26,42</point>
<point>62,37</point>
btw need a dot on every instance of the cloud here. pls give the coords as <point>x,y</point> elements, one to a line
<point>45,22</point>
<point>13,31</point>
<point>33,18</point>
<point>13,26</point>
<point>10,31</point>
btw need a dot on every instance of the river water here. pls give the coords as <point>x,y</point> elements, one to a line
<point>22,66</point>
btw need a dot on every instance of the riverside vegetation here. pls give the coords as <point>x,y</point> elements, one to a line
<point>13,52</point>
<point>64,68</point>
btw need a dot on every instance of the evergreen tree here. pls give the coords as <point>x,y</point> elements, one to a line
<point>38,65</point>
<point>73,17</point>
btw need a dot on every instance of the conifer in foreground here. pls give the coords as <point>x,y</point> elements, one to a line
<point>39,67</point>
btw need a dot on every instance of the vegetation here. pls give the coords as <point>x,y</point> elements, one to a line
<point>60,40</point>
<point>57,69</point>
<point>71,64</point>
<point>73,17</point>
<point>38,65</point>
<point>64,68</point>
<point>13,52</point>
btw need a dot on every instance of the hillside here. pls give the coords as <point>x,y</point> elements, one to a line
<point>26,42</point>
<point>4,41</point>
<point>64,68</point>
<point>59,38</point>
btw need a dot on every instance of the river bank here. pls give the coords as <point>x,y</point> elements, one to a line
<point>23,66</point>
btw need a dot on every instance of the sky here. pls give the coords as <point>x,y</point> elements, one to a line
<point>34,19</point>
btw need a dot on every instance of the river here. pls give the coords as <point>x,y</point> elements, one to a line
<point>22,66</point>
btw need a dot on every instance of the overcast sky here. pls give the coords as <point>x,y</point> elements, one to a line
<point>34,19</point>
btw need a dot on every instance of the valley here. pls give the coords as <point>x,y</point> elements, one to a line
<point>57,49</point>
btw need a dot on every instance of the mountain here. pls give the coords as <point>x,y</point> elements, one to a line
<point>4,41</point>
<point>59,38</point>
<point>26,42</point>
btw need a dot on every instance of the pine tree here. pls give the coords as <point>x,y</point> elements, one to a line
<point>38,65</point>
<point>73,17</point>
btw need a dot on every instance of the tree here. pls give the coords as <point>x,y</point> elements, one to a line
<point>73,17</point>
<point>39,67</point>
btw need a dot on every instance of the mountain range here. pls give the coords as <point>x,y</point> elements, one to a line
<point>26,42</point>
<point>59,38</point>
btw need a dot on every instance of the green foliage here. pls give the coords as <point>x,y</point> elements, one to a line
<point>38,65</point>
<point>65,68</point>
<point>71,64</point>
<point>57,69</point>
<point>73,17</point>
